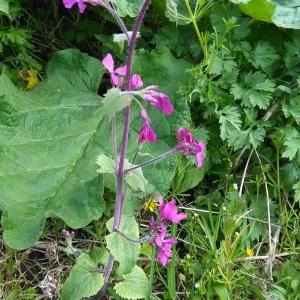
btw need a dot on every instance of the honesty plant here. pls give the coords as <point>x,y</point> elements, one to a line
<point>127,90</point>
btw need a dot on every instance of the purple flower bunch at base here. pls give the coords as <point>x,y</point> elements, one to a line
<point>158,229</point>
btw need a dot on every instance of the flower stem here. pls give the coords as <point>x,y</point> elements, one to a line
<point>152,270</point>
<point>120,168</point>
<point>151,161</point>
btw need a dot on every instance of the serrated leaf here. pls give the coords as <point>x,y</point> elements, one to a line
<point>125,251</point>
<point>255,90</point>
<point>47,149</point>
<point>291,143</point>
<point>114,102</point>
<point>263,55</point>
<point>134,286</point>
<point>293,109</point>
<point>106,164</point>
<point>83,280</point>
<point>230,120</point>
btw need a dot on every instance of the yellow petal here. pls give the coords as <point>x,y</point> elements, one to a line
<point>32,79</point>
<point>249,251</point>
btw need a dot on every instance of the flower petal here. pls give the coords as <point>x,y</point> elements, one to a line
<point>69,3</point>
<point>164,104</point>
<point>114,79</point>
<point>82,6</point>
<point>108,63</point>
<point>136,82</point>
<point>121,70</point>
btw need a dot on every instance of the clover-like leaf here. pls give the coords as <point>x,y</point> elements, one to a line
<point>134,286</point>
<point>48,149</point>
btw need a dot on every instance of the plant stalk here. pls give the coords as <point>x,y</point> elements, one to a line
<point>151,161</point>
<point>120,170</point>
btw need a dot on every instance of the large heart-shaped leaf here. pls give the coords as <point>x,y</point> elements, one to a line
<point>283,13</point>
<point>48,149</point>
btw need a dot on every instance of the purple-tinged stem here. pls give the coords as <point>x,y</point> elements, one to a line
<point>152,161</point>
<point>120,171</point>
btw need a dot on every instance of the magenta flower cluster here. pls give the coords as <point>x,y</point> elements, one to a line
<point>189,147</point>
<point>150,95</point>
<point>158,229</point>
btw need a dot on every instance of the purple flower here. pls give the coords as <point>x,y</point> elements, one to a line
<point>189,147</point>
<point>168,211</point>
<point>164,244</point>
<point>81,4</point>
<point>159,100</point>
<point>147,134</point>
<point>158,229</point>
<point>115,74</point>
<point>136,82</point>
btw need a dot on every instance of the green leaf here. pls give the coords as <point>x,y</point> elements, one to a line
<point>293,109</point>
<point>296,187</point>
<point>176,12</point>
<point>48,149</point>
<point>83,281</point>
<point>128,7</point>
<point>4,7</point>
<point>135,178</point>
<point>230,120</point>
<point>106,164</point>
<point>281,12</point>
<point>263,55</point>
<point>125,252</point>
<point>114,102</point>
<point>191,177</point>
<point>255,90</point>
<point>134,285</point>
<point>291,143</point>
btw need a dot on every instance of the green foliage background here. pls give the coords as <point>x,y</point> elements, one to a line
<point>233,77</point>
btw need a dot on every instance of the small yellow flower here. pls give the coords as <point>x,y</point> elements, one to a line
<point>249,251</point>
<point>150,204</point>
<point>32,79</point>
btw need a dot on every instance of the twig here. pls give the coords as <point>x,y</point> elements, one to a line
<point>264,257</point>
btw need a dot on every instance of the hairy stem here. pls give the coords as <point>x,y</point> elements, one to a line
<point>120,170</point>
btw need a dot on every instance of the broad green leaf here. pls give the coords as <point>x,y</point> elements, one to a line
<point>177,12</point>
<point>83,280</point>
<point>191,177</point>
<point>134,285</point>
<point>291,143</point>
<point>287,13</point>
<point>114,102</point>
<point>128,7</point>
<point>48,149</point>
<point>125,251</point>
<point>4,7</point>
<point>258,9</point>
<point>282,13</point>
